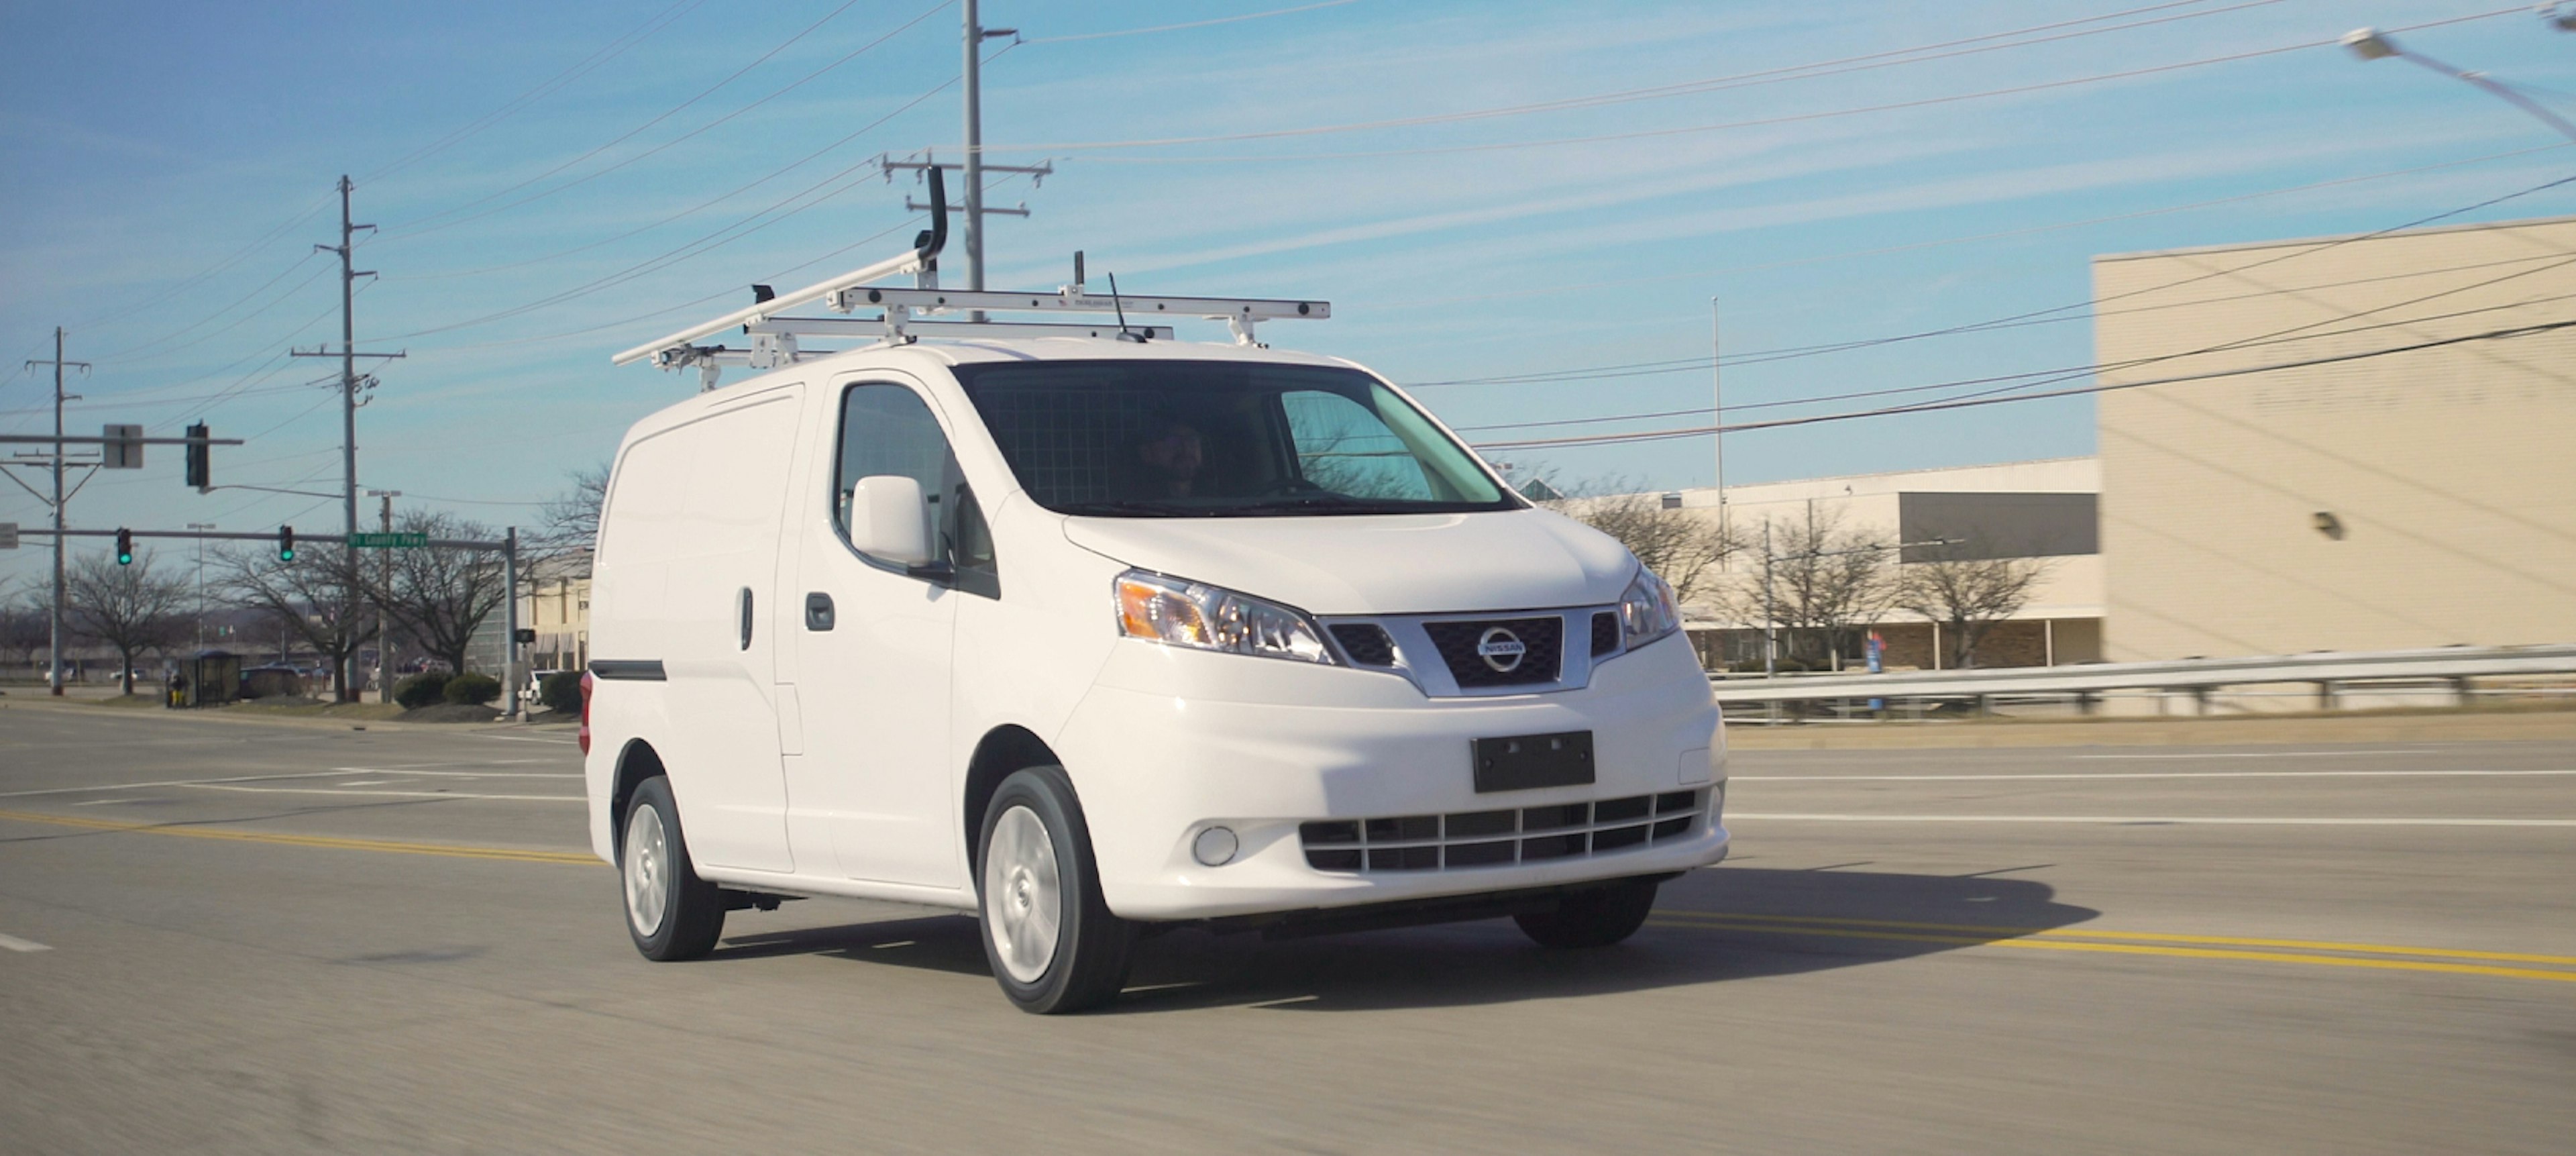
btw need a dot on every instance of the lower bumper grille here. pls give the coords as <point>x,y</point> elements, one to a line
<point>1501,838</point>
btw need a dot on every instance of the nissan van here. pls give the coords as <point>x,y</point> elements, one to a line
<point>1095,637</point>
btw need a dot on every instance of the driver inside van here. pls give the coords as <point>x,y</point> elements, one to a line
<point>1168,458</point>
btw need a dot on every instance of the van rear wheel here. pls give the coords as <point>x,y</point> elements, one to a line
<point>1051,939</point>
<point>670,912</point>
<point>1598,917</point>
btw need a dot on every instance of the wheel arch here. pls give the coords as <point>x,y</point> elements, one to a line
<point>1001,751</point>
<point>637,762</point>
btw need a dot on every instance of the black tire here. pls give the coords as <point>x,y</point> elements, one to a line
<point>1595,918</point>
<point>1086,964</point>
<point>691,911</point>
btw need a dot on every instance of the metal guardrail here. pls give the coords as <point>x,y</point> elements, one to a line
<point>2326,669</point>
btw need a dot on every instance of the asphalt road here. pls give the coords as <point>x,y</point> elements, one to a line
<point>228,937</point>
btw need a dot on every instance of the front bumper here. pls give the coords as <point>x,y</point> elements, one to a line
<point>1171,742</point>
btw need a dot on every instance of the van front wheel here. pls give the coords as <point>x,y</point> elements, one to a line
<point>1052,942</point>
<point>670,912</point>
<point>1595,918</point>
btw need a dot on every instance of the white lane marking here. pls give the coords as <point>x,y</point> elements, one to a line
<point>2153,820</point>
<point>2256,755</point>
<point>167,783</point>
<point>283,777</point>
<point>2130,775</point>
<point>459,774</point>
<point>379,794</point>
<point>14,943</point>
<point>562,742</point>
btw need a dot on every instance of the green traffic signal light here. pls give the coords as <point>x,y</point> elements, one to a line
<point>286,543</point>
<point>124,547</point>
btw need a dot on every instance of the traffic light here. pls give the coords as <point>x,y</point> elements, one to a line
<point>124,547</point>
<point>286,543</point>
<point>200,458</point>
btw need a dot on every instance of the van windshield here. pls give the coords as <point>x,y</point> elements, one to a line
<point>1206,439</point>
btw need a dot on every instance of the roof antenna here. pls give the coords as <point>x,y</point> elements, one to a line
<point>1124,333</point>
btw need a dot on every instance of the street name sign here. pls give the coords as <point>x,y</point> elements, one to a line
<point>398,540</point>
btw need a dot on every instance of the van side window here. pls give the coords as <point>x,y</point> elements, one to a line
<point>888,429</point>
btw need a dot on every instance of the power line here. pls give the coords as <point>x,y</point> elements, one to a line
<point>1196,24</point>
<point>2302,250</point>
<point>154,300</point>
<point>724,236</point>
<point>416,228</point>
<point>1913,246</point>
<point>580,68</point>
<point>2046,376</point>
<point>135,352</point>
<point>1685,130</point>
<point>1970,403</point>
<point>686,135</point>
<point>1811,70</point>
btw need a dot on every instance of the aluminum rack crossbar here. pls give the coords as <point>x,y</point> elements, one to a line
<point>674,350</point>
<point>875,328</point>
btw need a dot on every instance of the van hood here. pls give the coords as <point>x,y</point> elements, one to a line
<point>1378,564</point>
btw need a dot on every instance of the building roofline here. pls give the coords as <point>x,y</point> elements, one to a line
<point>2295,242</point>
<point>1731,486</point>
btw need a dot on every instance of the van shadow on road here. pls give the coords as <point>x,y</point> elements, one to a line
<point>1710,926</point>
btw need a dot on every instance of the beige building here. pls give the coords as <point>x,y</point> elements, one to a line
<point>2378,501</point>
<point>2040,510</point>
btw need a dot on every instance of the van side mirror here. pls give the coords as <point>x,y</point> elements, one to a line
<point>890,520</point>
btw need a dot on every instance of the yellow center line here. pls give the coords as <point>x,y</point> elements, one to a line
<point>449,850</point>
<point>2131,949</point>
<point>2139,936</point>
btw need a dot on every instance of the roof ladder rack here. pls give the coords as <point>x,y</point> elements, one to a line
<point>907,315</point>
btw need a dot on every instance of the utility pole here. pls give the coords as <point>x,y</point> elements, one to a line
<point>384,623</point>
<point>349,383</point>
<point>510,619</point>
<point>974,148</point>
<point>1717,415</point>
<point>55,661</point>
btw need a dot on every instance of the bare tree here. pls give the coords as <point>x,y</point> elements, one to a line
<point>1967,593</point>
<point>439,596</point>
<point>25,628</point>
<point>1828,584</point>
<point>315,597</point>
<point>569,523</point>
<point>1683,547</point>
<point>125,607</point>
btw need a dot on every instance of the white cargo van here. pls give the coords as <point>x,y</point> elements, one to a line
<point>1092,636</point>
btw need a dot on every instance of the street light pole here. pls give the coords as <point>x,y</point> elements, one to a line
<point>2372,44</point>
<point>201,582</point>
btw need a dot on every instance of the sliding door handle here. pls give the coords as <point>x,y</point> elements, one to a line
<point>818,611</point>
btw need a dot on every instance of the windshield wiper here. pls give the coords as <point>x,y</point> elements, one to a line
<point>1115,508</point>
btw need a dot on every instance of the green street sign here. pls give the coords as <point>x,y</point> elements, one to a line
<point>402,541</point>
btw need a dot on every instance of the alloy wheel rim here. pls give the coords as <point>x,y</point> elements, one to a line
<point>1023,897</point>
<point>648,854</point>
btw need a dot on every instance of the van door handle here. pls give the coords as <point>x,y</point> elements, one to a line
<point>818,611</point>
<point>744,599</point>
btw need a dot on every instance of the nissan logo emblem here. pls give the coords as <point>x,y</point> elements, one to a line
<point>1501,649</point>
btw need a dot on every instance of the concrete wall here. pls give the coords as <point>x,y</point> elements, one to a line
<point>2414,499</point>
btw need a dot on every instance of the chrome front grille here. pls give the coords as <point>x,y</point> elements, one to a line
<point>1501,837</point>
<point>1542,661</point>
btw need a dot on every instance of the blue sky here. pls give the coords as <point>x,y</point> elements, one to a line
<point>146,145</point>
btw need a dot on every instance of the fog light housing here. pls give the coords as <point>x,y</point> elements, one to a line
<point>1215,847</point>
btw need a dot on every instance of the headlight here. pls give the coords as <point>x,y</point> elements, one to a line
<point>1646,611</point>
<point>1180,613</point>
